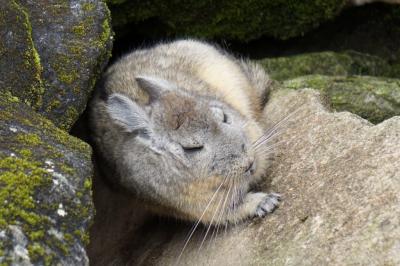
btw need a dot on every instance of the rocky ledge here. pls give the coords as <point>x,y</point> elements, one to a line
<point>339,176</point>
<point>45,190</point>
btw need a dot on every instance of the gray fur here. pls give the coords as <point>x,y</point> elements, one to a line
<point>126,113</point>
<point>175,139</point>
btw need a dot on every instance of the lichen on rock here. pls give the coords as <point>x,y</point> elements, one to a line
<point>241,20</point>
<point>20,66</point>
<point>74,43</point>
<point>339,177</point>
<point>326,63</point>
<point>372,98</point>
<point>51,62</point>
<point>45,190</point>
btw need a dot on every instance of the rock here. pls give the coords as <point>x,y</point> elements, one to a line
<point>54,54</point>
<point>339,176</point>
<point>20,68</point>
<point>372,98</point>
<point>45,190</point>
<point>326,63</point>
<point>241,20</point>
<point>371,29</point>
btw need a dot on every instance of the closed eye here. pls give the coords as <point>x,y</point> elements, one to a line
<point>192,149</point>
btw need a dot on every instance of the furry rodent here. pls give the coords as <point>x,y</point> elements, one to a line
<point>176,124</point>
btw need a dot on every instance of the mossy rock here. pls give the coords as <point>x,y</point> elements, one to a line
<point>45,189</point>
<point>326,63</point>
<point>54,54</point>
<point>372,98</point>
<point>240,20</point>
<point>20,68</point>
<point>371,29</point>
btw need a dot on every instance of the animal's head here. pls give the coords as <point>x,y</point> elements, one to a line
<point>179,136</point>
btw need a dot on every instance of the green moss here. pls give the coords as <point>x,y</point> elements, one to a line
<point>372,98</point>
<point>64,73</point>
<point>32,56</point>
<point>36,251</point>
<point>76,50</point>
<point>25,153</point>
<point>88,7</point>
<point>88,184</point>
<point>83,236</point>
<point>68,68</point>
<point>66,77</point>
<point>68,237</point>
<point>53,105</point>
<point>234,19</point>
<point>105,35</point>
<point>79,29</point>
<point>25,181</point>
<point>7,95</point>
<point>19,180</point>
<point>326,63</point>
<point>20,67</point>
<point>28,139</point>
<point>66,169</point>
<point>63,138</point>
<point>71,115</point>
<point>36,235</point>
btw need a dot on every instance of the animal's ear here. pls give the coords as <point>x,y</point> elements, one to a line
<point>127,113</point>
<point>154,86</point>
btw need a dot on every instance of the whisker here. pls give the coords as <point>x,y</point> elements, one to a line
<point>198,222</point>
<point>276,126</point>
<point>212,219</point>
<point>244,124</point>
<point>223,209</point>
<point>269,147</point>
<point>267,138</point>
<point>270,134</point>
<point>232,209</point>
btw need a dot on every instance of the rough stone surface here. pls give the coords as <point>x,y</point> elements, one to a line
<point>19,61</point>
<point>242,20</point>
<point>372,98</point>
<point>339,176</point>
<point>326,63</point>
<point>54,51</point>
<point>45,190</point>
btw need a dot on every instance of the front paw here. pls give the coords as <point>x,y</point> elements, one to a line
<point>267,204</point>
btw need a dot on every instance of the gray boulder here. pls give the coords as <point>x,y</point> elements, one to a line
<point>45,190</point>
<point>20,68</point>
<point>53,53</point>
<point>339,176</point>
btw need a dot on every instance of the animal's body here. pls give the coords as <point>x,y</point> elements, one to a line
<point>177,124</point>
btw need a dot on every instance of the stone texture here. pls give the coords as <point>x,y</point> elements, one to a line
<point>339,176</point>
<point>45,190</point>
<point>20,68</point>
<point>241,20</point>
<point>372,98</point>
<point>54,51</point>
<point>326,63</point>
